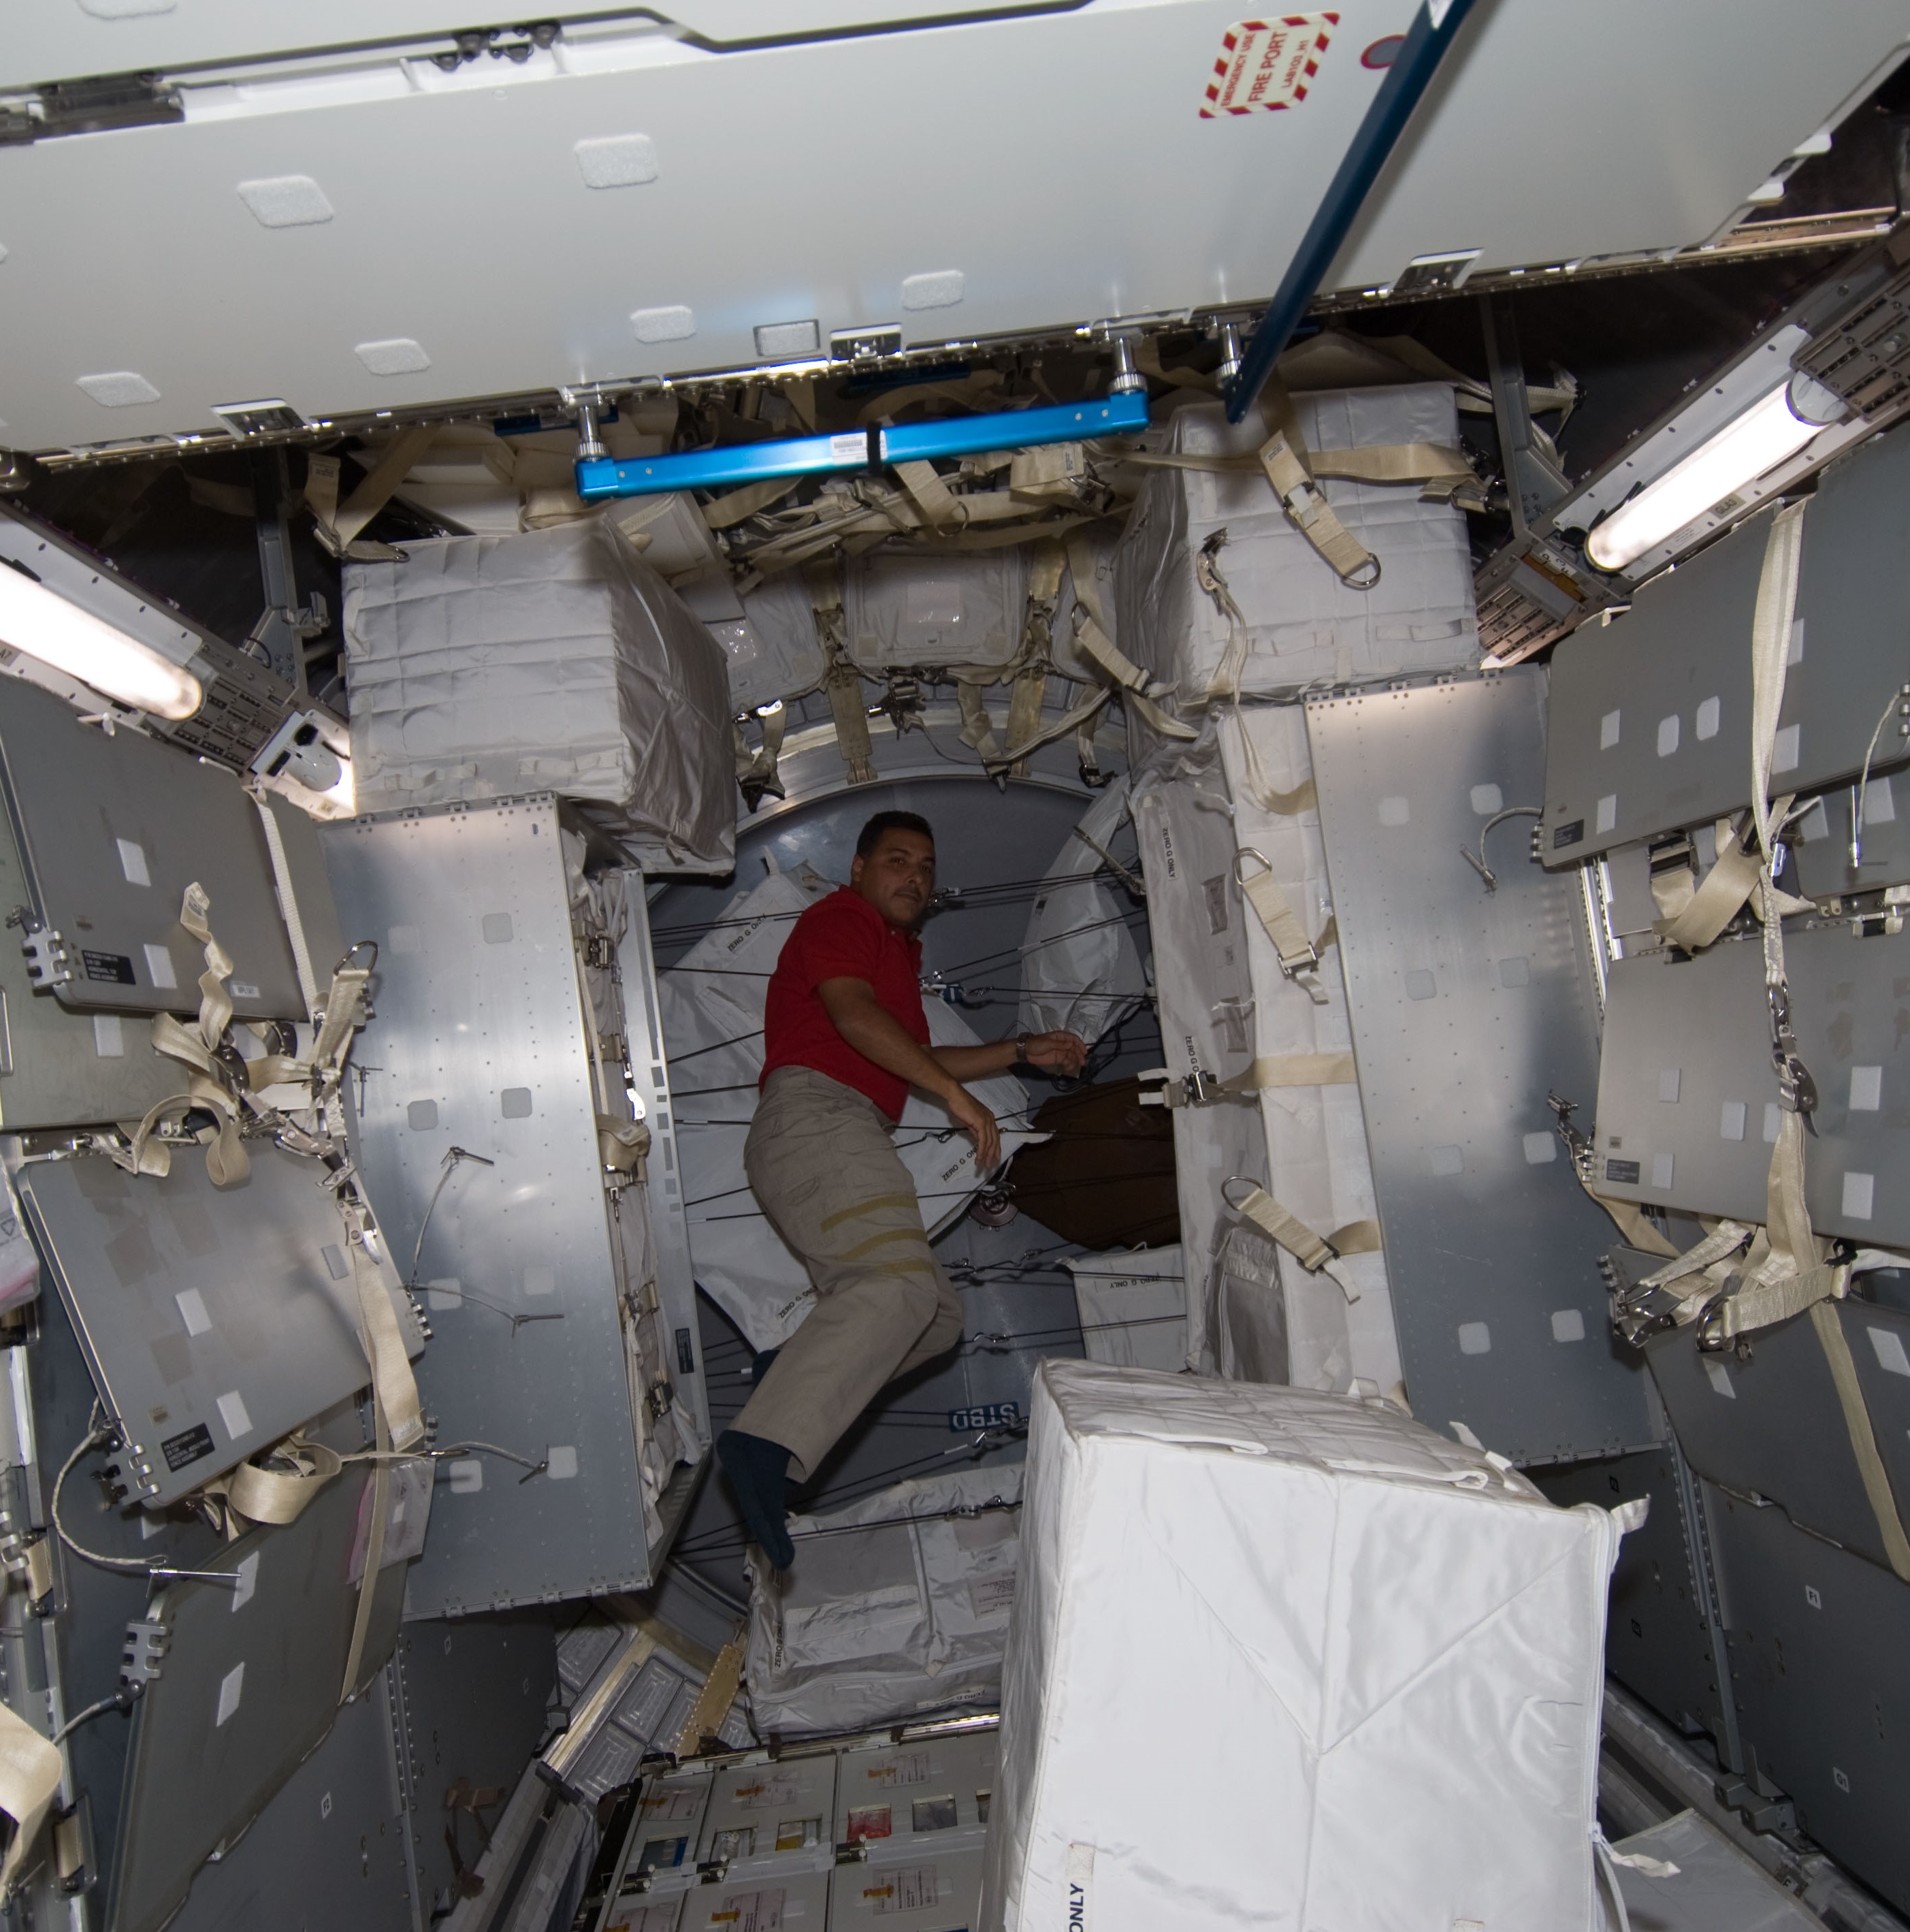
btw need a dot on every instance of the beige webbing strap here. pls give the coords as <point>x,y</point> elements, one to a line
<point>1315,1255</point>
<point>1299,955</point>
<point>1726,1238</point>
<point>929,494</point>
<point>1094,635</point>
<point>393,1386</point>
<point>1030,686</point>
<point>1630,1220</point>
<point>740,504</point>
<point>30,1768</point>
<point>1078,718</point>
<point>1862,1436</point>
<point>215,1003</point>
<point>374,1552</point>
<point>322,474</point>
<point>226,1162</point>
<point>1293,1069</point>
<point>713,1702</point>
<point>1721,891</point>
<point>288,905</point>
<point>378,488</point>
<point>978,728</point>
<point>1770,649</point>
<point>279,1495</point>
<point>1315,519</point>
<point>841,681</point>
<point>756,771</point>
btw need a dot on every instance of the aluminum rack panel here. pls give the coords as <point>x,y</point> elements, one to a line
<point>215,1320</point>
<point>1650,716</point>
<point>1769,1422</point>
<point>1687,1097</point>
<point>478,1043</point>
<point>111,832</point>
<point>1466,1006</point>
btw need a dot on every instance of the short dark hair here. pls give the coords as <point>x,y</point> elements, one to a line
<point>870,837</point>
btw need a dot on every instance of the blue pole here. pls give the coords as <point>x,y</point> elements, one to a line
<point>1433,32</point>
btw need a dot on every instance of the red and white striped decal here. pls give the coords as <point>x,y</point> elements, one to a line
<point>1267,64</point>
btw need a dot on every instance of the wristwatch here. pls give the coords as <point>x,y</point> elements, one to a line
<point>1021,1040</point>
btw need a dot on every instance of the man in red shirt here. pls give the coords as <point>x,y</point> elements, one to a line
<point>844,1038</point>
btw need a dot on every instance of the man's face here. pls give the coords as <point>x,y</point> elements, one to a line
<point>898,876</point>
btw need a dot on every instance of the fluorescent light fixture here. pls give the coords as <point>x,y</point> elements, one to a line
<point>1777,425</point>
<point>44,626</point>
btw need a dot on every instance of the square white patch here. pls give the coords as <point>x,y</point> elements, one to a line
<point>1707,720</point>
<point>445,1291</point>
<point>1662,1167</point>
<point>1540,1148</point>
<point>1475,1339</point>
<point>1445,1160</point>
<point>230,1687</point>
<point>1784,752</point>
<point>673,324</point>
<point>940,288</point>
<point>1607,730</point>
<point>248,1573</point>
<point>1879,803</point>
<point>1669,1079</point>
<point>159,968</point>
<point>1731,1120</point>
<point>233,1413</point>
<point>192,1311</point>
<point>1719,1376</point>
<point>1860,1190</point>
<point>1394,812</point>
<point>1773,1116</point>
<point>616,160</point>
<point>1608,813</point>
<point>561,1463</point>
<point>1866,1089</point>
<point>1486,799</point>
<point>540,1281</point>
<point>403,940</point>
<point>1795,655</point>
<point>1668,736</point>
<point>109,1036</point>
<point>1568,1324</point>
<point>133,863</point>
<point>467,1478</point>
<point>1888,1346</point>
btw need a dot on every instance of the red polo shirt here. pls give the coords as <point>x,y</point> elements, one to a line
<point>842,938</point>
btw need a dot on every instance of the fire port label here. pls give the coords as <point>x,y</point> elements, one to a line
<point>1267,64</point>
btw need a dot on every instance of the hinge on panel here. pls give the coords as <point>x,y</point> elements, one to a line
<point>598,950</point>
<point>48,963</point>
<point>659,1397</point>
<point>146,1640</point>
<point>91,106</point>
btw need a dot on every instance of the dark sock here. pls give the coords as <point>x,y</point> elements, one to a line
<point>758,1470</point>
<point>760,1367</point>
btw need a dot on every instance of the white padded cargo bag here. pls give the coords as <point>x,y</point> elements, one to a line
<point>920,609</point>
<point>1133,1306</point>
<point>879,1623</point>
<point>1303,624</point>
<point>1283,1658</point>
<point>554,661</point>
<point>768,635</point>
<point>1196,919</point>
<point>1318,1163</point>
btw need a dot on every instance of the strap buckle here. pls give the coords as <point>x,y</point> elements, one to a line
<point>1196,1089</point>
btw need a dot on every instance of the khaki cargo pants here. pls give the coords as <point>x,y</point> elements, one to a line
<point>824,1169</point>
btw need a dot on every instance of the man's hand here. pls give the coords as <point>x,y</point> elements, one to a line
<point>973,1118</point>
<point>1059,1052</point>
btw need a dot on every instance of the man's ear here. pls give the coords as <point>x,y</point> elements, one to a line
<point>855,870</point>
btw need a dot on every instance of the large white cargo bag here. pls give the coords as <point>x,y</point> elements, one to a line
<point>1284,1658</point>
<point>555,661</point>
<point>1132,1304</point>
<point>1303,624</point>
<point>898,1605</point>
<point>711,1004</point>
<point>1318,1163</point>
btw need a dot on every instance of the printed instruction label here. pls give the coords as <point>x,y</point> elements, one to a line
<point>1267,64</point>
<point>750,1911</point>
<point>911,1768</point>
<point>910,1888</point>
<point>187,1447</point>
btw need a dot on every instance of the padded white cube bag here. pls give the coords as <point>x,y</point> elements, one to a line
<point>1284,1658</point>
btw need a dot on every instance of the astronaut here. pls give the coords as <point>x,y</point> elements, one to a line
<point>844,1038</point>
